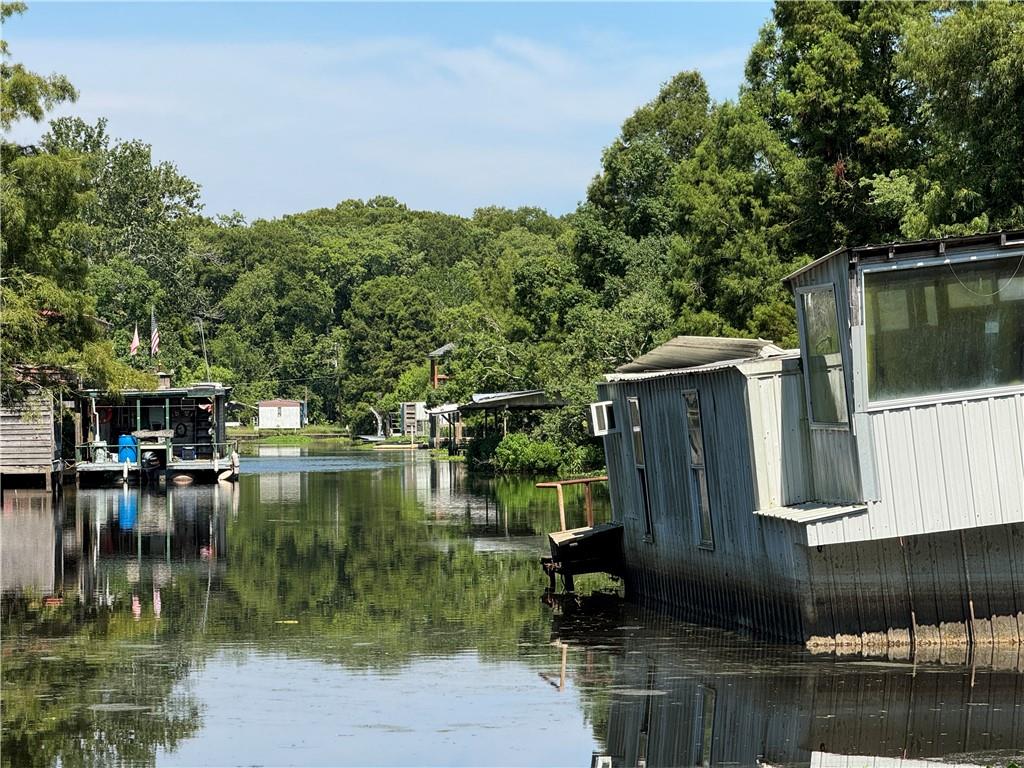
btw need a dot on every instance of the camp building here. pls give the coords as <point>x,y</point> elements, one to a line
<point>866,489</point>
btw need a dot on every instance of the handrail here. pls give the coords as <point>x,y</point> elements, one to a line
<point>588,500</point>
<point>221,450</point>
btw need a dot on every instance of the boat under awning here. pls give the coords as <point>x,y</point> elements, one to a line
<point>690,351</point>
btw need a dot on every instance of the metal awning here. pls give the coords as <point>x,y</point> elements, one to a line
<point>525,400</point>
<point>442,351</point>
<point>812,511</point>
<point>443,410</point>
<point>692,351</point>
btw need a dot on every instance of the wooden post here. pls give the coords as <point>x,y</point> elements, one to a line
<point>588,505</point>
<point>561,505</point>
<point>565,658</point>
<point>138,414</point>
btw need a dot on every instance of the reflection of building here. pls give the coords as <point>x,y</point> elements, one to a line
<point>680,696</point>
<point>278,487</point>
<point>132,538</point>
<point>30,542</point>
<point>112,543</point>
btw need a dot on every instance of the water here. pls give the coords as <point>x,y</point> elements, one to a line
<point>383,609</point>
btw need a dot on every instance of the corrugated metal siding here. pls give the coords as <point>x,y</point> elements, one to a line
<point>780,442</point>
<point>942,467</point>
<point>27,434</point>
<point>751,576</point>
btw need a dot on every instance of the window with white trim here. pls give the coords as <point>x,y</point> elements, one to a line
<point>602,418</point>
<point>944,327</point>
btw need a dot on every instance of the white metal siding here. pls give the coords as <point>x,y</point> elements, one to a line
<point>289,418</point>
<point>942,467</point>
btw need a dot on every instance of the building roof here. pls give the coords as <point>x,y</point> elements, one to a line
<point>689,351</point>
<point>279,403</point>
<point>769,360</point>
<point>442,351</point>
<point>524,400</point>
<point>1000,239</point>
<point>199,389</point>
<point>443,410</point>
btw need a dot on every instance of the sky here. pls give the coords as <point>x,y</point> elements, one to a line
<point>276,108</point>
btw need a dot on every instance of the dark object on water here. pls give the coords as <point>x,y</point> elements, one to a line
<point>594,549</point>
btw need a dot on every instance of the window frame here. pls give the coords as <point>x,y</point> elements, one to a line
<point>698,474</point>
<point>640,464</point>
<point>958,396</point>
<point>842,426</point>
<point>606,407</point>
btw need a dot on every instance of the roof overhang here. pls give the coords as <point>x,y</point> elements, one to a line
<point>693,351</point>
<point>525,400</point>
<point>917,248</point>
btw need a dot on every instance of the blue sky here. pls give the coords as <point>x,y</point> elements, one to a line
<point>279,107</point>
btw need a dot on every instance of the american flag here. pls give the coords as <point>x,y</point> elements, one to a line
<point>154,335</point>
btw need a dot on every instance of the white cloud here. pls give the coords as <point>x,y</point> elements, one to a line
<point>275,128</point>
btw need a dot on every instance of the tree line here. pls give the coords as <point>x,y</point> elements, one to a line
<point>855,123</point>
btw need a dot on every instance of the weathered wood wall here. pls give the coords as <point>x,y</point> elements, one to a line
<point>30,436</point>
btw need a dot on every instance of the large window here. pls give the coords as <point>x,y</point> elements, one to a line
<point>948,327</point>
<point>698,473</point>
<point>636,428</point>
<point>826,383</point>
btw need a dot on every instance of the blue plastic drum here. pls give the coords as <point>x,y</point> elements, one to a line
<point>127,449</point>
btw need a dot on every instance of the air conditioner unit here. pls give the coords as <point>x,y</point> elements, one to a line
<point>602,418</point>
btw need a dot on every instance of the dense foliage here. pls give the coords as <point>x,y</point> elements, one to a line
<point>857,122</point>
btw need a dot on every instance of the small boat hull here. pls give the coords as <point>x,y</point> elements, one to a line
<point>587,550</point>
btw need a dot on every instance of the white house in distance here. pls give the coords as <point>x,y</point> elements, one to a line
<point>280,414</point>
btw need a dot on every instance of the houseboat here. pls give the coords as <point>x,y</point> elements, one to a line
<point>865,490</point>
<point>176,433</point>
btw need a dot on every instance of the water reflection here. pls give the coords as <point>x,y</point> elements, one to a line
<point>671,694</point>
<point>385,608</point>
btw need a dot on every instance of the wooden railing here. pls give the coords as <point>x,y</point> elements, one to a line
<point>588,498</point>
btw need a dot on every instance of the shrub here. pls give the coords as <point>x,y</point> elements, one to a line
<point>519,453</point>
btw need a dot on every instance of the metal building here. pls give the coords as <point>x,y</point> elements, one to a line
<point>866,489</point>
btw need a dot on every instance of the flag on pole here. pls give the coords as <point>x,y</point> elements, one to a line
<point>154,335</point>
<point>133,350</point>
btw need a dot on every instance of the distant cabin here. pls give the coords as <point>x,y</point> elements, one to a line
<point>280,414</point>
<point>30,437</point>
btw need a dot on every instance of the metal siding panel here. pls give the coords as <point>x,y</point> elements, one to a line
<point>982,461</point>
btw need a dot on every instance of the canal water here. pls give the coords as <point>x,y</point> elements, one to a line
<point>380,608</point>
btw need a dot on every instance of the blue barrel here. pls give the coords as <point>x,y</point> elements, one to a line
<point>127,449</point>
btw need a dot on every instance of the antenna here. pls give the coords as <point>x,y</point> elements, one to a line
<point>202,335</point>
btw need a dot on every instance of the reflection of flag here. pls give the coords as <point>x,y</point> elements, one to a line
<point>134,348</point>
<point>154,335</point>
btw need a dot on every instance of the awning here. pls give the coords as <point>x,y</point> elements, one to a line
<point>812,511</point>
<point>691,351</point>
<point>525,400</point>
<point>443,410</point>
